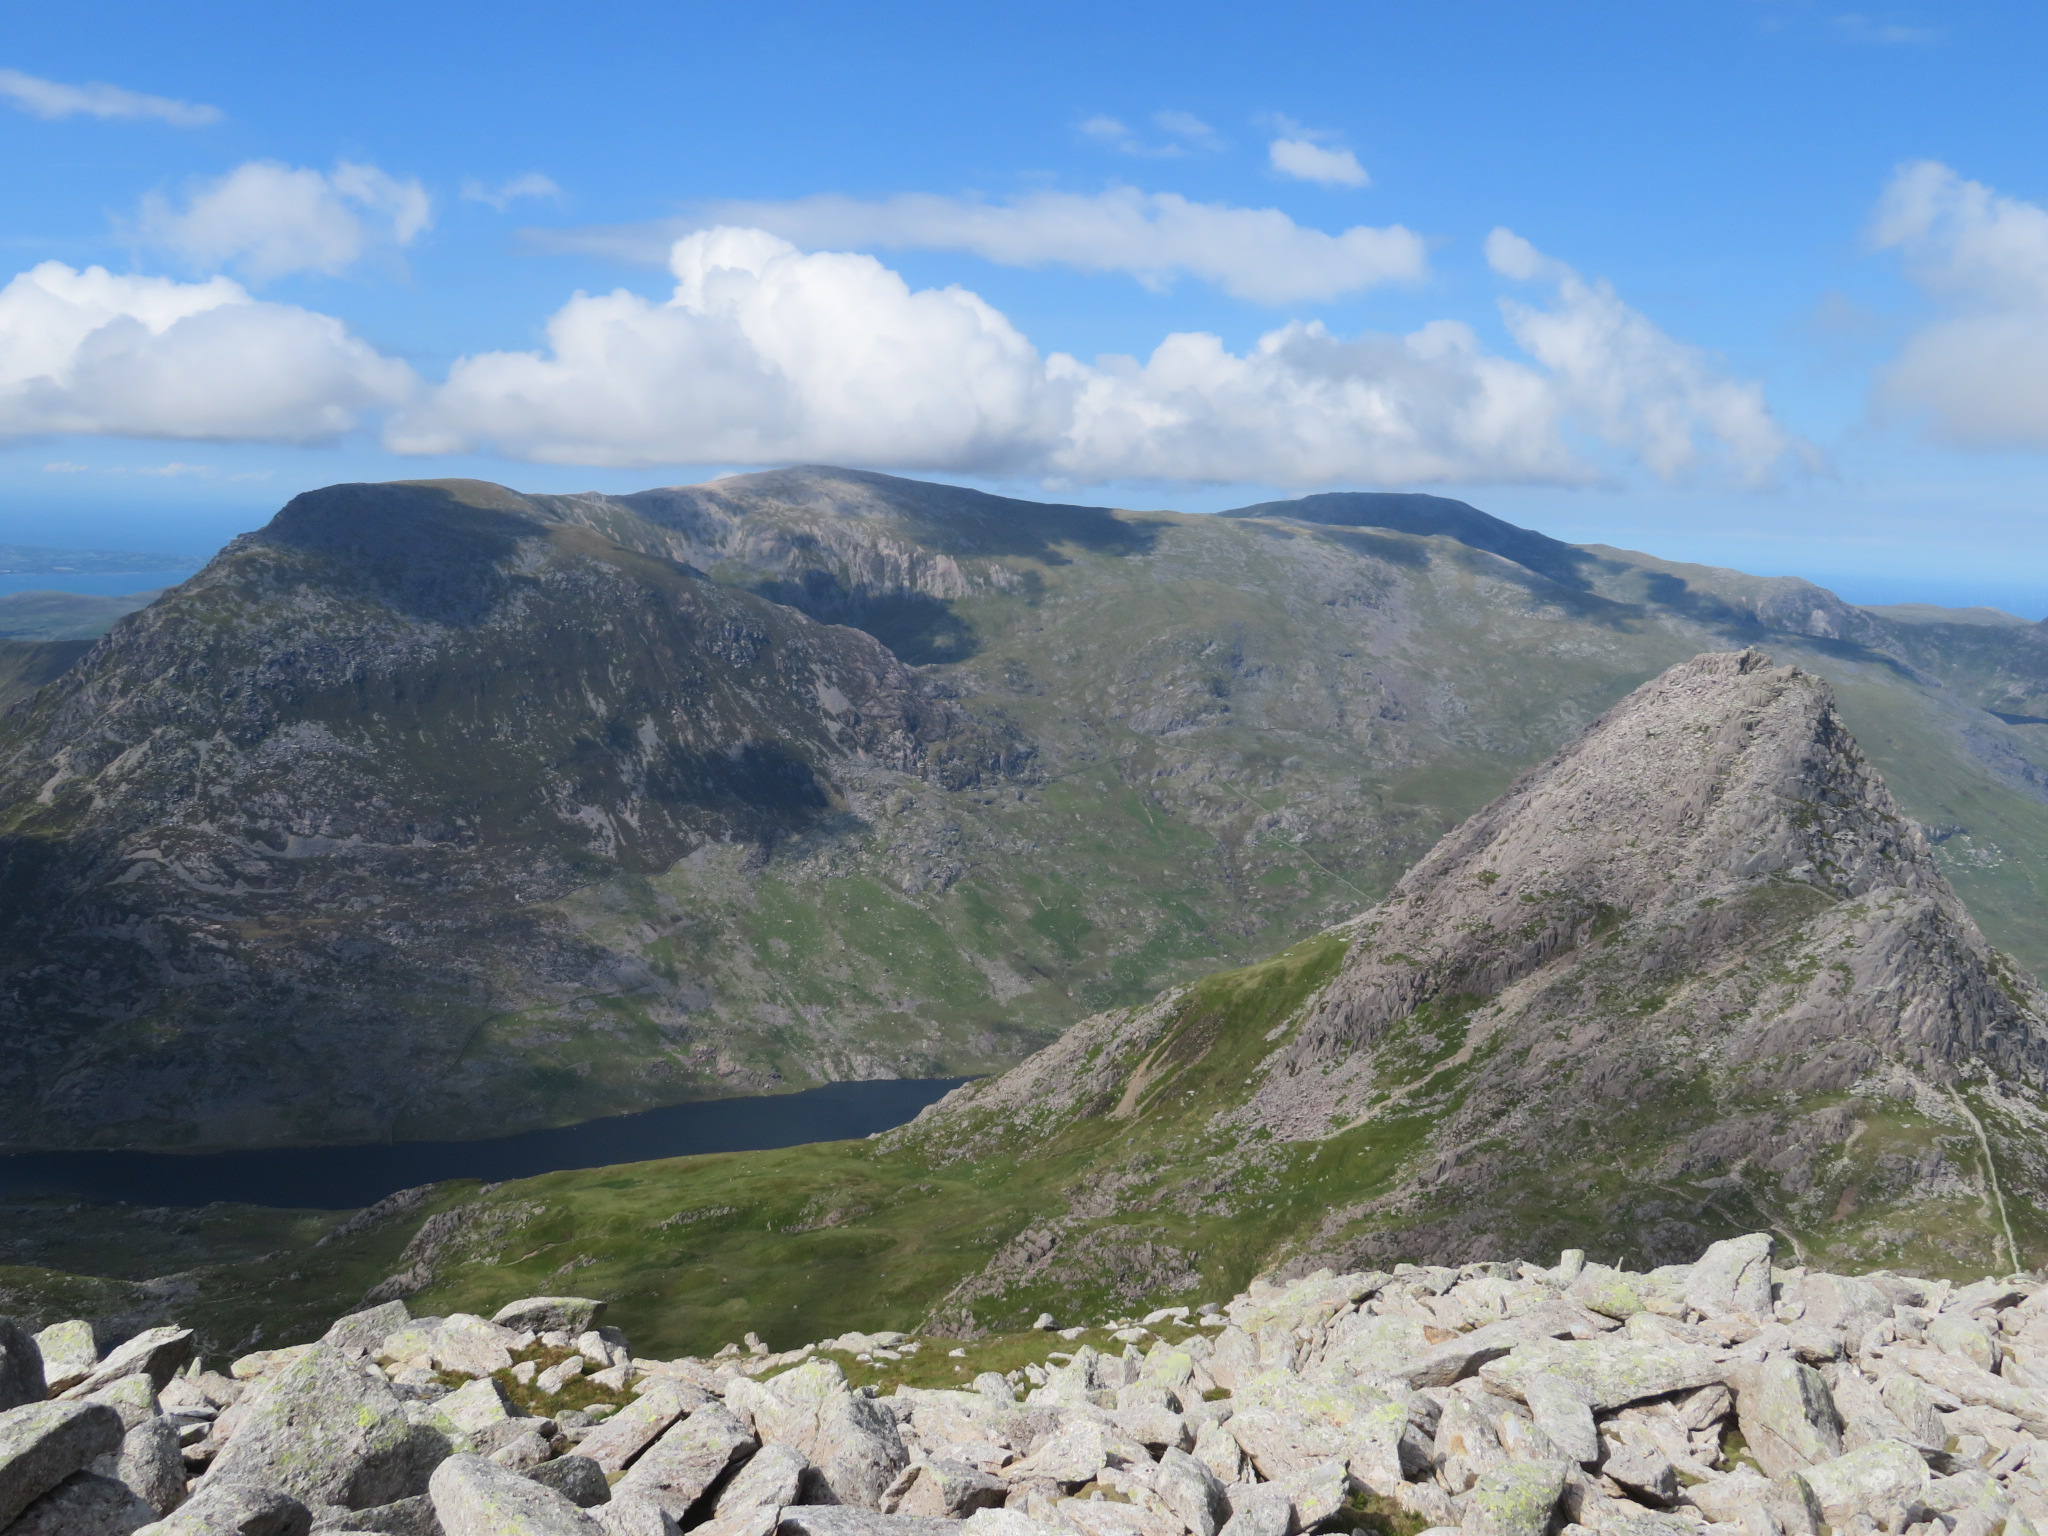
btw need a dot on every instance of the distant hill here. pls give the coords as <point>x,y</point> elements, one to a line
<point>434,809</point>
<point>37,560</point>
<point>65,615</point>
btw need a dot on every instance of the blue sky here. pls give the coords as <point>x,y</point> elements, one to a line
<point>1753,282</point>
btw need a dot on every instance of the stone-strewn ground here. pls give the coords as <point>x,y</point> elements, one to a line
<point>1721,1398</point>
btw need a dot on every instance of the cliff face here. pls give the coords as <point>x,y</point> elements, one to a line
<point>285,845</point>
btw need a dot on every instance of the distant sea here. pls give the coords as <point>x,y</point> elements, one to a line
<point>93,583</point>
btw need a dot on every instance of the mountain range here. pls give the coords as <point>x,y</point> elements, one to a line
<point>436,809</point>
<point>1694,975</point>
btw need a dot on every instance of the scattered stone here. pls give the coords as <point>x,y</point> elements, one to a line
<point>328,1429</point>
<point>1515,1499</point>
<point>550,1314</point>
<point>41,1444</point>
<point>158,1353</point>
<point>773,1477</point>
<point>235,1509</point>
<point>151,1464</point>
<point>85,1504</point>
<point>132,1397</point>
<point>361,1333</point>
<point>1787,1414</point>
<point>677,1470</point>
<point>69,1355</point>
<point>474,1498</point>
<point>627,1433</point>
<point>577,1478</point>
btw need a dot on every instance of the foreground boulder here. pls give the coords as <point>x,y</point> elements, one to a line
<point>472,1497</point>
<point>328,1430</point>
<point>41,1444</point>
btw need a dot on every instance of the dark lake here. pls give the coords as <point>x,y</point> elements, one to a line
<point>342,1178</point>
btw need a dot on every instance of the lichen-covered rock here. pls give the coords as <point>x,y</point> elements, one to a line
<point>69,1354</point>
<point>235,1509</point>
<point>576,1478</point>
<point>1610,1372</point>
<point>328,1429</point>
<point>85,1504</point>
<point>1515,1498</point>
<point>151,1464</point>
<point>550,1314</point>
<point>679,1468</point>
<point>133,1397</point>
<point>472,1497</point>
<point>155,1352</point>
<point>772,1477</point>
<point>41,1444</point>
<point>1733,1275</point>
<point>853,1443</point>
<point>363,1333</point>
<point>1559,1408</point>
<point>1876,1478</point>
<point>615,1442</point>
<point>1788,1415</point>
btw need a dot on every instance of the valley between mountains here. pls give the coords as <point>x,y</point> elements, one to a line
<point>436,809</point>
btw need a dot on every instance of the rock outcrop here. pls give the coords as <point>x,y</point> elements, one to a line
<point>1731,1396</point>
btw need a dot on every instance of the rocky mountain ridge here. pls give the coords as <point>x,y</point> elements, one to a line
<point>1723,1397</point>
<point>1098,753</point>
<point>1696,974</point>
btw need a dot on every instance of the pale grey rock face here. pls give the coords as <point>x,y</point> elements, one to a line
<point>1192,1493</point>
<point>1733,1275</point>
<point>772,1477</point>
<point>840,1520</point>
<point>576,1478</point>
<point>327,1430</point>
<point>1788,1415</point>
<point>1610,1372</point>
<point>677,1470</point>
<point>474,1406</point>
<point>85,1504</point>
<point>41,1444</point>
<point>21,1367</point>
<point>1515,1498</point>
<point>1560,1410</point>
<point>942,1489</point>
<point>1874,1478</point>
<point>402,1517</point>
<point>235,1509</point>
<point>69,1354</point>
<point>853,1443</point>
<point>150,1463</point>
<point>133,1397</point>
<point>361,1333</point>
<point>615,1442</point>
<point>472,1497</point>
<point>1259,1512</point>
<point>550,1314</point>
<point>156,1352</point>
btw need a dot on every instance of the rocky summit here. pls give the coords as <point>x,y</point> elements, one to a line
<point>1730,1396</point>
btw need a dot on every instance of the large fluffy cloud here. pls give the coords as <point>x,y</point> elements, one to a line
<point>764,354</point>
<point>1640,388</point>
<point>1978,372</point>
<point>267,219</point>
<point>1258,254</point>
<point>99,353</point>
<point>761,355</point>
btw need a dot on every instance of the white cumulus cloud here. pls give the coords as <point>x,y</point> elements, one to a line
<point>54,99</point>
<point>268,219</point>
<point>1978,371</point>
<point>93,352</point>
<point>1258,254</point>
<point>1306,160</point>
<point>1640,388</point>
<point>765,354</point>
<point>762,354</point>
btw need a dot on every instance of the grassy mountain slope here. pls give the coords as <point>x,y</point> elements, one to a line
<point>1696,975</point>
<point>1186,742</point>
